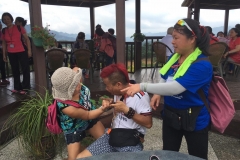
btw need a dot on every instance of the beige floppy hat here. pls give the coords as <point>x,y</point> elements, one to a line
<point>64,82</point>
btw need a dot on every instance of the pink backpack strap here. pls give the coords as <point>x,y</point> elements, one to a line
<point>204,99</point>
<point>200,91</point>
<point>74,104</point>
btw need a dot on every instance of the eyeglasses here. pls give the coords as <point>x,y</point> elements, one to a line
<point>183,23</point>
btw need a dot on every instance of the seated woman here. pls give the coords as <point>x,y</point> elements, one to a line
<point>233,55</point>
<point>79,44</point>
<point>67,85</point>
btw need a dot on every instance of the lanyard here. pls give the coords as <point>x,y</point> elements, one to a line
<point>10,35</point>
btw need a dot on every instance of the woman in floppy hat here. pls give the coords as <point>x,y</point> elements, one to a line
<point>75,121</point>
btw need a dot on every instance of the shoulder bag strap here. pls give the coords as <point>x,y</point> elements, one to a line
<point>204,99</point>
<point>74,104</point>
<point>200,91</point>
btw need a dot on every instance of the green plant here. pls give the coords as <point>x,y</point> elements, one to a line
<point>44,34</point>
<point>87,141</point>
<point>28,124</point>
<point>98,103</point>
<point>138,37</point>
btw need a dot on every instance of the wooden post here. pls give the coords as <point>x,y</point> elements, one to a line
<point>120,31</point>
<point>138,45</point>
<point>189,14</point>
<point>92,21</point>
<point>226,22</point>
<point>38,53</point>
<point>196,10</point>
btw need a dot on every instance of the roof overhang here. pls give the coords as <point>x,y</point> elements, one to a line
<point>77,3</point>
<point>213,4</point>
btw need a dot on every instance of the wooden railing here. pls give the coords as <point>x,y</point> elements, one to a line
<point>130,56</point>
<point>148,57</point>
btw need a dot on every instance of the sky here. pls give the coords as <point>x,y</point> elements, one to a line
<point>156,16</point>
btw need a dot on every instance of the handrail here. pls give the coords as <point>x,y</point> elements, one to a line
<point>148,56</point>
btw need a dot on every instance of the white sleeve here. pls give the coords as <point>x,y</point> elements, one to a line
<point>162,80</point>
<point>164,89</point>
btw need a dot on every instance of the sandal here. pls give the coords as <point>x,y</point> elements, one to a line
<point>23,92</point>
<point>14,91</point>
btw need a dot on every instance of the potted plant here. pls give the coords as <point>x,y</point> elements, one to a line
<point>42,37</point>
<point>138,37</point>
<point>28,125</point>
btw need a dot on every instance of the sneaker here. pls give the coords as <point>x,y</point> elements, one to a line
<point>86,76</point>
<point>5,82</point>
<point>2,84</point>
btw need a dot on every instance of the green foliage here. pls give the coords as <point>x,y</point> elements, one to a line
<point>44,34</point>
<point>87,141</point>
<point>138,37</point>
<point>28,123</point>
<point>98,103</point>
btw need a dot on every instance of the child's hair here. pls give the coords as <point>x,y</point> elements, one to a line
<point>116,73</point>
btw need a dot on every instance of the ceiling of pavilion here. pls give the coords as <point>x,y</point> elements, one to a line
<point>214,4</point>
<point>77,3</point>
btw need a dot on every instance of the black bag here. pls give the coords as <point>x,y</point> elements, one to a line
<point>121,137</point>
<point>30,60</point>
<point>181,119</point>
<point>101,57</point>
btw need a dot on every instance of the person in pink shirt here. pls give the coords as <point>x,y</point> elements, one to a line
<point>13,48</point>
<point>107,45</point>
<point>4,82</point>
<point>233,55</point>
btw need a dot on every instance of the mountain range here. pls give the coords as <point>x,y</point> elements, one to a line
<point>62,36</point>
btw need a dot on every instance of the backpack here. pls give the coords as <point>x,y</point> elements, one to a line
<point>52,121</point>
<point>114,41</point>
<point>220,106</point>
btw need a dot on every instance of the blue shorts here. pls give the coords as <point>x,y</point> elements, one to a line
<point>101,146</point>
<point>78,135</point>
